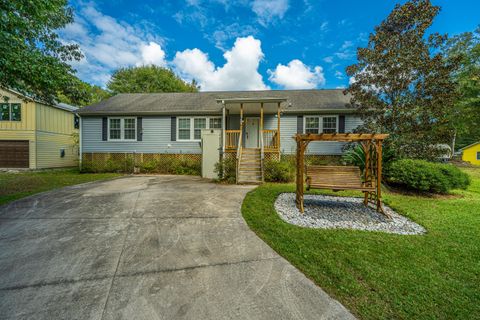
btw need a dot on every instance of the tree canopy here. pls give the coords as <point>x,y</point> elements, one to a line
<point>33,60</point>
<point>148,79</point>
<point>81,94</point>
<point>466,114</point>
<point>402,83</point>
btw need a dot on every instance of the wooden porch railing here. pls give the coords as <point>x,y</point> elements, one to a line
<point>232,138</point>
<point>270,140</point>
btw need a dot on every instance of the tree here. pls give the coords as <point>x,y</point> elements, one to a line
<point>33,60</point>
<point>148,79</point>
<point>83,94</point>
<point>466,114</point>
<point>402,84</point>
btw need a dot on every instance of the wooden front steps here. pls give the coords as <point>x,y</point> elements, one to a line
<point>250,166</point>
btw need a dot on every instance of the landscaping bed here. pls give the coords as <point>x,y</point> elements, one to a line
<point>379,275</point>
<point>330,212</point>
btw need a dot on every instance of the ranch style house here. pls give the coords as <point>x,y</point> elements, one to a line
<point>252,125</point>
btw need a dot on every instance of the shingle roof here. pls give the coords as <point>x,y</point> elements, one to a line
<point>171,103</point>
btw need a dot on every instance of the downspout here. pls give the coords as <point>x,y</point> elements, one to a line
<point>80,156</point>
<point>262,154</point>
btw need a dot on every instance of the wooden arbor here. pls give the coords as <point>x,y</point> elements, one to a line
<point>338,177</point>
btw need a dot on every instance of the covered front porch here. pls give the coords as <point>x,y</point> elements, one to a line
<point>251,123</point>
<point>250,131</point>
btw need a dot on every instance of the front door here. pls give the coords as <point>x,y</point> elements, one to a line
<point>251,132</point>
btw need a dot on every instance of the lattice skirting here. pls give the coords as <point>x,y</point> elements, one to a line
<point>142,162</point>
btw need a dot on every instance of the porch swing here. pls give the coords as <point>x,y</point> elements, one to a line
<point>338,178</point>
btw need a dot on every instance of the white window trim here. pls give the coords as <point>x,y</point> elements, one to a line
<point>192,128</point>
<point>122,129</point>
<point>320,122</point>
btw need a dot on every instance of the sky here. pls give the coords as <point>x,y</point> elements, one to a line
<point>239,45</point>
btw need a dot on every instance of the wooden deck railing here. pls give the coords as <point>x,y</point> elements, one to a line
<point>270,140</point>
<point>232,138</point>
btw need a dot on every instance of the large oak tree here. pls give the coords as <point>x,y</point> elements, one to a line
<point>402,83</point>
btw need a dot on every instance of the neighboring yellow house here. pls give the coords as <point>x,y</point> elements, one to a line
<point>471,153</point>
<point>36,135</point>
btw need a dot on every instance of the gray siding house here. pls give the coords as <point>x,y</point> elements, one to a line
<point>262,122</point>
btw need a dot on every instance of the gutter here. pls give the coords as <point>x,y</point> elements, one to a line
<point>209,112</point>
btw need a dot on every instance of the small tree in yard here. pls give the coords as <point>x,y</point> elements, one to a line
<point>403,85</point>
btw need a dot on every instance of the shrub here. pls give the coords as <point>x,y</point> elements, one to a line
<point>426,176</point>
<point>355,155</point>
<point>186,166</point>
<point>279,171</point>
<point>226,170</point>
<point>149,166</point>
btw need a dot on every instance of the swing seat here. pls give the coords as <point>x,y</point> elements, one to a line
<point>335,178</point>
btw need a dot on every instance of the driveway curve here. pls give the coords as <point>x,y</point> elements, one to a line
<point>146,247</point>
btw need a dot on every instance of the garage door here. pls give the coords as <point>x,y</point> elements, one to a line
<point>14,154</point>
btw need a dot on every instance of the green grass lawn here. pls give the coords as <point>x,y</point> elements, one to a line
<point>385,276</point>
<point>14,186</point>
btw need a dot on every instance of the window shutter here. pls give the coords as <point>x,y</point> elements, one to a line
<point>104,129</point>
<point>173,129</point>
<point>341,124</point>
<point>299,124</point>
<point>139,129</point>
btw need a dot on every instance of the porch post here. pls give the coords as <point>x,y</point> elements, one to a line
<point>223,128</point>
<point>241,123</point>
<point>261,118</point>
<point>278,130</point>
<point>241,115</point>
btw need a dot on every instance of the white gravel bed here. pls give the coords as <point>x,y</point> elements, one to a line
<point>329,212</point>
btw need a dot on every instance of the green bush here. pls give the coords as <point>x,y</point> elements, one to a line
<point>186,166</point>
<point>426,176</point>
<point>226,170</point>
<point>279,171</point>
<point>149,166</point>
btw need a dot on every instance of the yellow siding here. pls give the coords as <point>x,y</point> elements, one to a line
<point>22,135</point>
<point>28,113</point>
<point>48,150</point>
<point>48,129</point>
<point>54,120</point>
<point>470,154</point>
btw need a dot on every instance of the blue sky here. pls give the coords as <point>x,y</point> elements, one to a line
<point>239,45</point>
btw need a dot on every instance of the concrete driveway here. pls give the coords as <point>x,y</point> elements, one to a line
<point>146,247</point>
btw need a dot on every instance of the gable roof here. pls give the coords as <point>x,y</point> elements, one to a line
<point>210,101</point>
<point>471,145</point>
<point>59,105</point>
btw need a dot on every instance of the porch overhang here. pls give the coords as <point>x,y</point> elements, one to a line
<point>253,105</point>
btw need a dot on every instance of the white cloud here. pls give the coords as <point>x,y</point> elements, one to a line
<point>296,75</point>
<point>152,54</point>
<point>339,75</point>
<point>328,59</point>
<point>269,10</point>
<point>108,44</point>
<point>227,32</point>
<point>324,26</point>
<point>240,72</point>
<point>346,51</point>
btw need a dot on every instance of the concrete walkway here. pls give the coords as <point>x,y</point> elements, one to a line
<point>146,247</point>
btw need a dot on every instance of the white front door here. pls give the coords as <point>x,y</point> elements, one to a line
<point>251,132</point>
